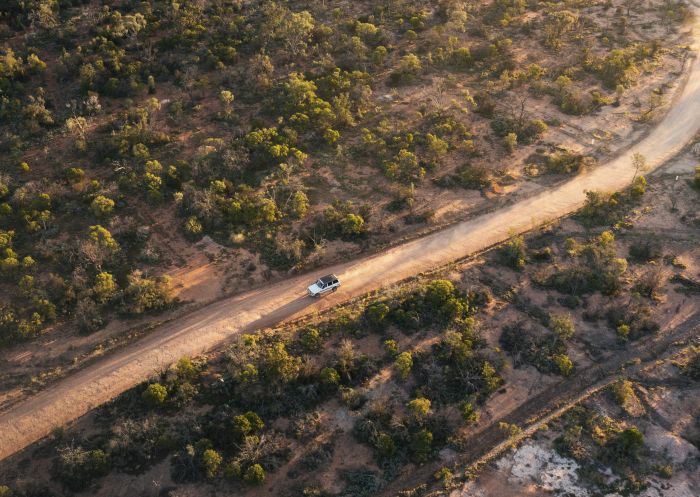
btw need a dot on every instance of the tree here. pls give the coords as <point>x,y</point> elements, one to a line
<point>623,391</point>
<point>329,378</point>
<point>211,462</point>
<point>639,163</point>
<point>407,70</point>
<point>310,339</point>
<point>154,395</point>
<point>514,251</point>
<point>102,206</point>
<point>562,325</point>
<point>692,367</point>
<point>352,225</point>
<point>437,147</point>
<point>77,126</point>
<point>510,142</point>
<point>75,175</point>
<point>438,292</point>
<point>623,333</point>
<point>490,376</point>
<point>153,183</point>
<point>255,474</point>
<point>469,414</point>
<point>245,424</point>
<point>193,228</point>
<point>421,445</point>
<point>100,247</point>
<point>331,136</point>
<point>77,467</point>
<point>403,365</point>
<point>376,313</point>
<point>299,204</point>
<point>260,70</point>
<point>563,363</point>
<point>386,447</point>
<point>104,287</point>
<point>639,187</point>
<point>226,98</point>
<point>405,167</point>
<point>628,443</point>
<point>144,294</point>
<point>557,23</point>
<point>419,409</point>
<point>279,366</point>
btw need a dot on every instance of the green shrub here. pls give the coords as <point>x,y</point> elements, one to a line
<point>255,474</point>
<point>75,175</point>
<point>419,409</point>
<point>564,364</point>
<point>566,162</point>
<point>376,314</point>
<point>407,70</point>
<point>562,325</point>
<point>154,395</point>
<point>310,340</point>
<point>105,287</point>
<point>299,204</point>
<point>403,365</point>
<point>76,467</point>
<point>329,378</point>
<point>438,292</point>
<point>102,206</point>
<point>623,391</point>
<point>193,228</point>
<point>514,252</point>
<point>469,414</point>
<point>627,444</point>
<point>386,447</point>
<point>421,445</point>
<point>145,294</point>
<point>211,462</point>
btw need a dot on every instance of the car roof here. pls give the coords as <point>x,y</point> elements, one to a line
<point>328,278</point>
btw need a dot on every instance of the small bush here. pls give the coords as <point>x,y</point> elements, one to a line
<point>154,395</point>
<point>76,467</point>
<point>102,206</point>
<point>255,474</point>
<point>403,365</point>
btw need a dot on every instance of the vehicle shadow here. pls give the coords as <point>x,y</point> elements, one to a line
<point>286,312</point>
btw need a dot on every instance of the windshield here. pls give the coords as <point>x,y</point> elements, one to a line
<point>320,283</point>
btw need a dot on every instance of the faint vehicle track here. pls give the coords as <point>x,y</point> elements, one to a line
<point>207,327</point>
<point>550,404</point>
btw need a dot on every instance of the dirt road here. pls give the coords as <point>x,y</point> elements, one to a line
<point>207,327</point>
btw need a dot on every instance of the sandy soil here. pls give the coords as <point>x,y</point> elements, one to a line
<point>535,468</point>
<point>209,326</point>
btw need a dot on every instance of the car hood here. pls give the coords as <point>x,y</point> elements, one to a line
<point>314,288</point>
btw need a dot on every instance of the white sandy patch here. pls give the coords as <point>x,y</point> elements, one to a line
<point>532,463</point>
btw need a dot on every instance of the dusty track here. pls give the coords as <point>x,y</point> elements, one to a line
<point>207,327</point>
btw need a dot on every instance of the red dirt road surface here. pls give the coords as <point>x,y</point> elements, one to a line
<point>68,399</point>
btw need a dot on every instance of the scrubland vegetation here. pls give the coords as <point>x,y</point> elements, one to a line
<point>273,126</point>
<point>355,400</point>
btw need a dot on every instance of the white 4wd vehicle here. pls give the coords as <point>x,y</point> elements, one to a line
<point>325,284</point>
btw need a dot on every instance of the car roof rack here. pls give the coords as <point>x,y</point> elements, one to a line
<point>328,278</point>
